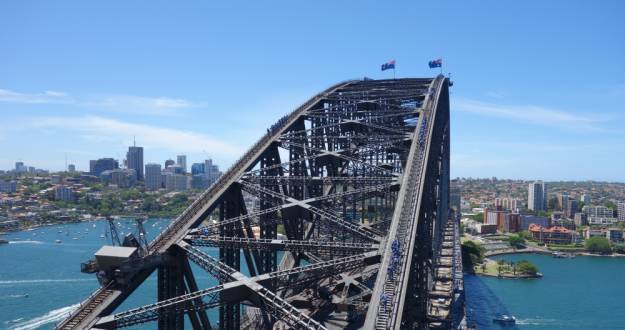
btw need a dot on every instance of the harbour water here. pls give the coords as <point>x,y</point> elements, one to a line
<point>40,282</point>
<point>579,293</point>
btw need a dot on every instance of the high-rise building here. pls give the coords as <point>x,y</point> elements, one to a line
<point>174,169</point>
<point>96,167</point>
<point>177,182</point>
<point>169,162</point>
<point>581,219</point>
<point>211,171</point>
<point>537,196</point>
<point>20,167</point>
<point>62,193</point>
<point>71,168</point>
<point>508,203</point>
<point>153,180</point>
<point>197,168</point>
<point>621,210</point>
<point>585,199</point>
<point>123,178</point>
<point>134,158</point>
<point>570,208</point>
<point>8,186</point>
<point>563,198</point>
<point>181,160</point>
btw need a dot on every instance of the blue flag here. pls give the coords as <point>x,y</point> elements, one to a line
<point>388,65</point>
<point>438,63</point>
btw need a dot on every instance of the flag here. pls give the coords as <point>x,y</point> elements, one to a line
<point>436,63</point>
<point>388,65</point>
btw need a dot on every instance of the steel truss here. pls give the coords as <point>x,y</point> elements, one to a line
<point>338,212</point>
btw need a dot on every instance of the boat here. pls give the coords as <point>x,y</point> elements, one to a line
<point>4,241</point>
<point>102,236</point>
<point>94,225</point>
<point>75,238</point>
<point>58,241</point>
<point>505,319</point>
<point>563,255</point>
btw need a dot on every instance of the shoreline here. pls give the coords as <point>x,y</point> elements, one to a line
<point>28,228</point>
<point>511,277</point>
<point>545,252</point>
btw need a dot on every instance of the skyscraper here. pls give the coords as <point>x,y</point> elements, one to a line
<point>621,211</point>
<point>537,196</point>
<point>211,171</point>
<point>20,167</point>
<point>197,168</point>
<point>182,161</point>
<point>169,163</point>
<point>134,159</point>
<point>96,167</point>
<point>153,179</point>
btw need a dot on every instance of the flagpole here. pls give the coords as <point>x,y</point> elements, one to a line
<point>441,65</point>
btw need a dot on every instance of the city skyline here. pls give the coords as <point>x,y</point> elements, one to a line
<point>549,114</point>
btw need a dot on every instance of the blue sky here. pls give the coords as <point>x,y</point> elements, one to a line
<point>539,85</point>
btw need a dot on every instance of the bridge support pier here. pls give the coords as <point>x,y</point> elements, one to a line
<point>171,284</point>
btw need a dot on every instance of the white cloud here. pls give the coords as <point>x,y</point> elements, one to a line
<point>531,114</point>
<point>100,129</point>
<point>127,103</point>
<point>140,104</point>
<point>47,97</point>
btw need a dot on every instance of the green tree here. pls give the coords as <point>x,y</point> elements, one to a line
<point>516,241</point>
<point>478,217</point>
<point>526,267</point>
<point>619,248</point>
<point>610,205</point>
<point>472,254</point>
<point>599,245</point>
<point>151,205</point>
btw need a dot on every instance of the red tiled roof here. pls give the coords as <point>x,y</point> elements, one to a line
<point>554,229</point>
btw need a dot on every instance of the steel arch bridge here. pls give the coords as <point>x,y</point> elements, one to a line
<point>357,179</point>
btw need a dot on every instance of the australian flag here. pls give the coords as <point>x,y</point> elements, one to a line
<point>388,65</point>
<point>436,63</point>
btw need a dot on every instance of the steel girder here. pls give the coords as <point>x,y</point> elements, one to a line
<point>355,154</point>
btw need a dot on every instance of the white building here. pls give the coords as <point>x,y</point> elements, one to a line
<point>537,196</point>
<point>621,211</point>
<point>598,211</point>
<point>602,221</point>
<point>177,182</point>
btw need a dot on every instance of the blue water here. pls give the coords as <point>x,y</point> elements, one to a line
<point>49,274</point>
<point>580,293</point>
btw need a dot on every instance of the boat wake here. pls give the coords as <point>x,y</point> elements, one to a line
<point>14,296</point>
<point>25,242</point>
<point>536,321</point>
<point>51,316</point>
<point>62,280</point>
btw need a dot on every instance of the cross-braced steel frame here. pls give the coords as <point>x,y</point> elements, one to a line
<point>337,213</point>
